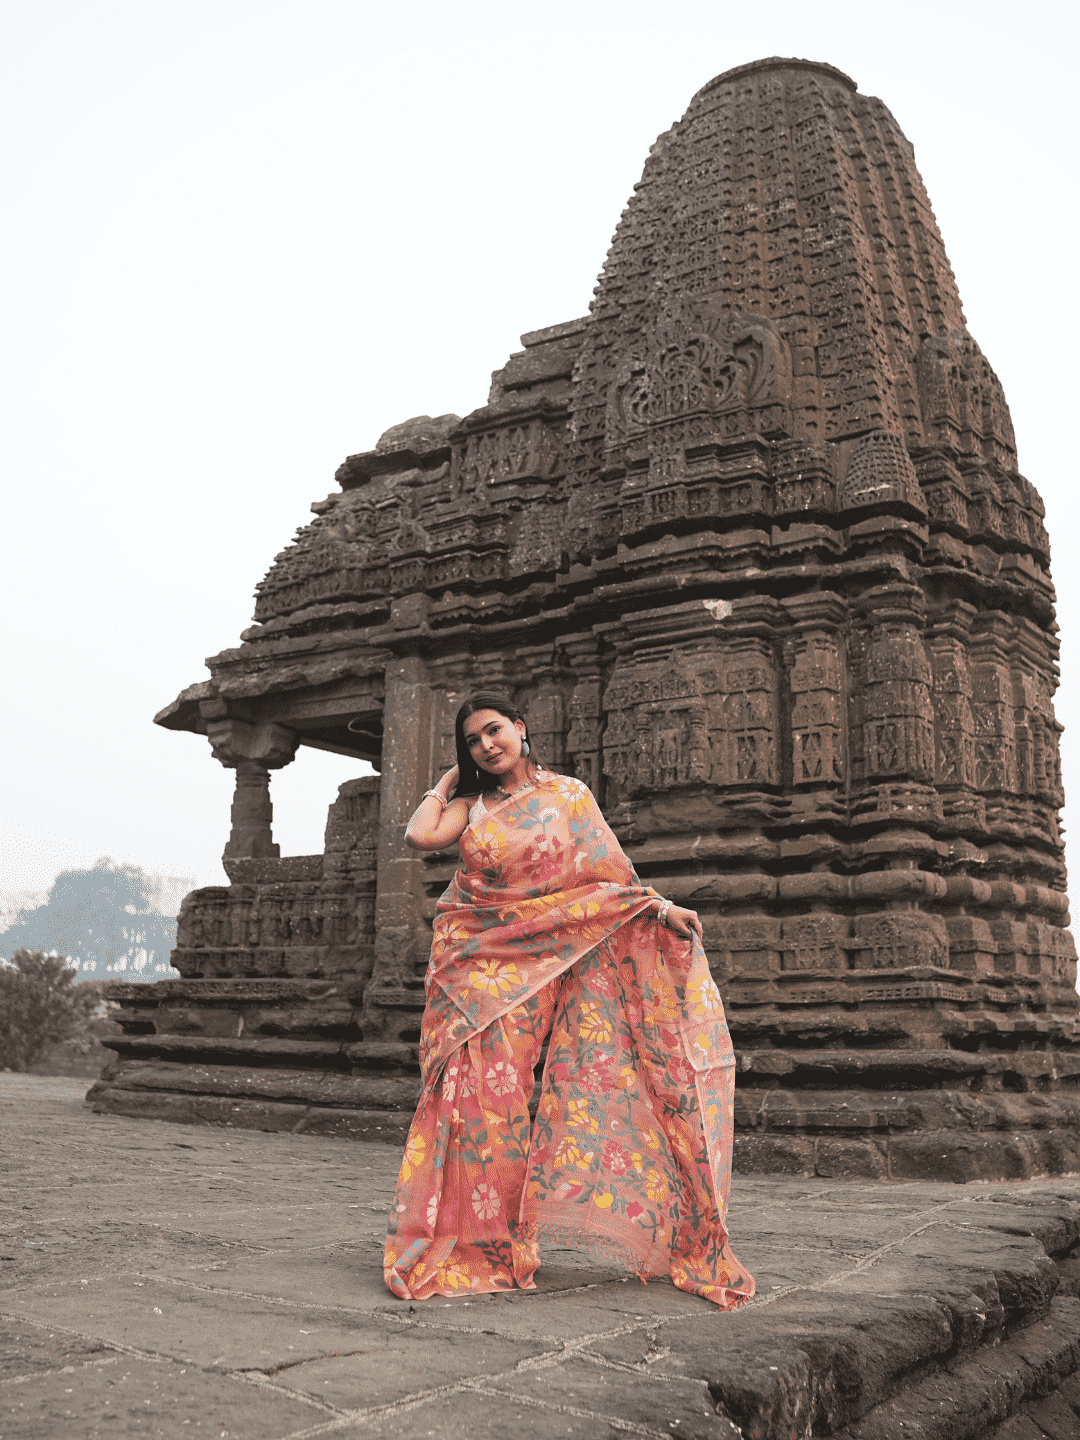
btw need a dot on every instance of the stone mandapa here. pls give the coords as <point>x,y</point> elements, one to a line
<point>750,546</point>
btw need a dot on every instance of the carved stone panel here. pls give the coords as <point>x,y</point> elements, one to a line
<point>880,472</point>
<point>746,750</point>
<point>702,716</point>
<point>954,720</point>
<point>961,399</point>
<point>818,710</point>
<point>897,715</point>
<point>895,940</point>
<point>700,360</point>
<point>530,450</point>
<point>547,721</point>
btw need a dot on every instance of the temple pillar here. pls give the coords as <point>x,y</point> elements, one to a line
<point>414,741</point>
<point>252,813</point>
<point>252,751</point>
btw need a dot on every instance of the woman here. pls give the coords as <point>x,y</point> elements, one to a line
<point>546,926</point>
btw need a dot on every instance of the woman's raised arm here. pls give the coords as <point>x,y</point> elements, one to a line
<point>438,821</point>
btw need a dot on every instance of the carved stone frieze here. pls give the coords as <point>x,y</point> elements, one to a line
<point>528,450</point>
<point>699,361</point>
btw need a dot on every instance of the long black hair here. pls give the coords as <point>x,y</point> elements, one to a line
<point>471,779</point>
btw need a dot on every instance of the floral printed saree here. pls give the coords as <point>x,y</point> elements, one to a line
<point>546,925</point>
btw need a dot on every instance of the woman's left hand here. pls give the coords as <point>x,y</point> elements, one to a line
<point>683,922</point>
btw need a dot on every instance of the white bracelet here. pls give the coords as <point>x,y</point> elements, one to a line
<point>436,796</point>
<point>662,913</point>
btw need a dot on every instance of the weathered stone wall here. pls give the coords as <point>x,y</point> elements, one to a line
<point>750,547</point>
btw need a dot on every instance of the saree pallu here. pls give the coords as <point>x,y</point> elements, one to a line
<point>547,926</point>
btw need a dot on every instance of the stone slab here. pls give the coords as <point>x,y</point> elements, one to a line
<point>251,1261</point>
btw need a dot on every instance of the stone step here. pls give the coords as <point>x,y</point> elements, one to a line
<point>1057,1417</point>
<point>293,1085</point>
<point>987,1389</point>
<point>388,1126</point>
<point>939,1334</point>
<point>248,1050</point>
<point>885,1067</point>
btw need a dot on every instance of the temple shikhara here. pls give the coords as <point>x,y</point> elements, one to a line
<point>749,545</point>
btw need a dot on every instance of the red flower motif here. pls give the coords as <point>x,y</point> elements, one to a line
<point>633,1210</point>
<point>616,1159</point>
<point>597,1078</point>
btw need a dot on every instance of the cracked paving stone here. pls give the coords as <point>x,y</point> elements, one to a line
<point>138,1397</point>
<point>28,1350</point>
<point>208,1330</point>
<point>681,1407</point>
<point>247,1260</point>
<point>484,1415</point>
<point>387,1363</point>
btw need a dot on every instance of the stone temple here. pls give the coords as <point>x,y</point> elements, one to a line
<point>750,546</point>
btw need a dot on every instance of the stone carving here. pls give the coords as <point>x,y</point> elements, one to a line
<point>701,361</point>
<point>880,471</point>
<point>527,451</point>
<point>818,720</point>
<point>961,398</point>
<point>749,546</point>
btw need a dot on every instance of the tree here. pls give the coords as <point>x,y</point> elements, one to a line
<point>104,919</point>
<point>40,1004</point>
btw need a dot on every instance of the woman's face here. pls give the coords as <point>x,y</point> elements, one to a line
<point>494,742</point>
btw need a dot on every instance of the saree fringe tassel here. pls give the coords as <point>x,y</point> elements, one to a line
<point>547,927</point>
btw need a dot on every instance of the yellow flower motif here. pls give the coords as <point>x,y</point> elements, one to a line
<point>493,978</point>
<point>656,1187</point>
<point>703,997</point>
<point>490,840</point>
<point>583,909</point>
<point>652,1139</point>
<point>570,1156</point>
<point>627,1078</point>
<point>593,1026</point>
<point>455,1275</point>
<point>414,1155</point>
<point>604,1199</point>
<point>579,1117</point>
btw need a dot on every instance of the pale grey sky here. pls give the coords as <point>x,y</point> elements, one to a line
<point>244,237</point>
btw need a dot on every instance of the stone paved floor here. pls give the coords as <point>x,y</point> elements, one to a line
<point>167,1280</point>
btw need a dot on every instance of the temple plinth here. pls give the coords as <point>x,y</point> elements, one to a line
<point>750,546</point>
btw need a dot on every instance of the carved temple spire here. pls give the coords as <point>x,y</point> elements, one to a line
<point>749,546</point>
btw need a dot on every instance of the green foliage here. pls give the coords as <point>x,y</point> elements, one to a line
<point>40,1004</point>
<point>105,919</point>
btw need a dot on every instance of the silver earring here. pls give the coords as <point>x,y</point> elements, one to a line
<point>526,748</point>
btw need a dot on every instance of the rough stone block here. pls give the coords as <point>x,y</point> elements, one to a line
<point>850,1160</point>
<point>773,1155</point>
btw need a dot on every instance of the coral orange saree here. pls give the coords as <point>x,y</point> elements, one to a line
<point>547,926</point>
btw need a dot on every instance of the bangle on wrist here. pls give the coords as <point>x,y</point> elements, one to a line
<point>434,794</point>
<point>662,913</point>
